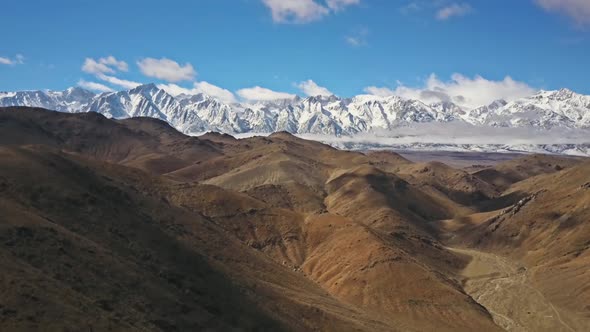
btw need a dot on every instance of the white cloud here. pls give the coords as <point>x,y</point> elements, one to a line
<point>166,69</point>
<point>209,89</point>
<point>442,10</point>
<point>117,81</point>
<point>296,11</point>
<point>358,37</point>
<point>108,65</point>
<point>310,88</point>
<point>354,41</point>
<point>411,7</point>
<point>578,10</point>
<point>18,60</point>
<point>263,94</point>
<point>112,61</point>
<point>304,11</point>
<point>94,67</point>
<point>379,91</point>
<point>176,90</point>
<point>452,10</point>
<point>100,68</point>
<point>214,91</point>
<point>94,86</point>
<point>461,90</point>
<point>341,4</point>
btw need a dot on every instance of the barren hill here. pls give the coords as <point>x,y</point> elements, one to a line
<point>131,225</point>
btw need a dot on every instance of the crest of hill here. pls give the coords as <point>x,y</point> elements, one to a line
<point>458,185</point>
<point>503,175</point>
<point>385,159</point>
<point>144,143</point>
<point>219,137</point>
<point>279,158</point>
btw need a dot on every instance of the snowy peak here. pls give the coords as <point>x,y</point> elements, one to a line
<point>497,104</point>
<point>548,109</point>
<point>561,95</point>
<point>324,100</point>
<point>146,90</point>
<point>564,94</point>
<point>328,115</point>
<point>70,100</point>
<point>77,93</point>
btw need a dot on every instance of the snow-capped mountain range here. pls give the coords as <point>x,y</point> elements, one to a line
<point>322,115</point>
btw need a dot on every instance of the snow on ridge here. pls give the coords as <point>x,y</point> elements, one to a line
<point>328,116</point>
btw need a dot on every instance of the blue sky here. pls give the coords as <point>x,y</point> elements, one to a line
<point>248,49</point>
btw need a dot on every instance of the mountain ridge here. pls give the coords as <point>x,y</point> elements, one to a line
<point>327,115</point>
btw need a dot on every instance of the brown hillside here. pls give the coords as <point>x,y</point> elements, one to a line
<point>130,225</point>
<point>507,173</point>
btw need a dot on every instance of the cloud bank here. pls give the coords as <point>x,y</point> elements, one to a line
<point>466,92</point>
<point>94,86</point>
<point>461,90</point>
<point>209,89</point>
<point>118,81</point>
<point>258,93</point>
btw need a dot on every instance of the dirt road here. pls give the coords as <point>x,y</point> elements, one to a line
<point>503,287</point>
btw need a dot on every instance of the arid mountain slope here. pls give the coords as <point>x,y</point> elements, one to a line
<point>130,225</point>
<point>547,231</point>
<point>82,243</point>
<point>144,143</point>
<point>507,173</point>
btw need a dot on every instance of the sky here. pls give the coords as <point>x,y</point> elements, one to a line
<point>468,51</point>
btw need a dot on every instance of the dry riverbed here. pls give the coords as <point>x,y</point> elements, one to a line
<point>504,288</point>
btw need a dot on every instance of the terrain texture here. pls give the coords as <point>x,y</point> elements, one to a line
<point>110,225</point>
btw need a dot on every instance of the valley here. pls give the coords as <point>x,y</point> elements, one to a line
<point>506,290</point>
<point>470,160</point>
